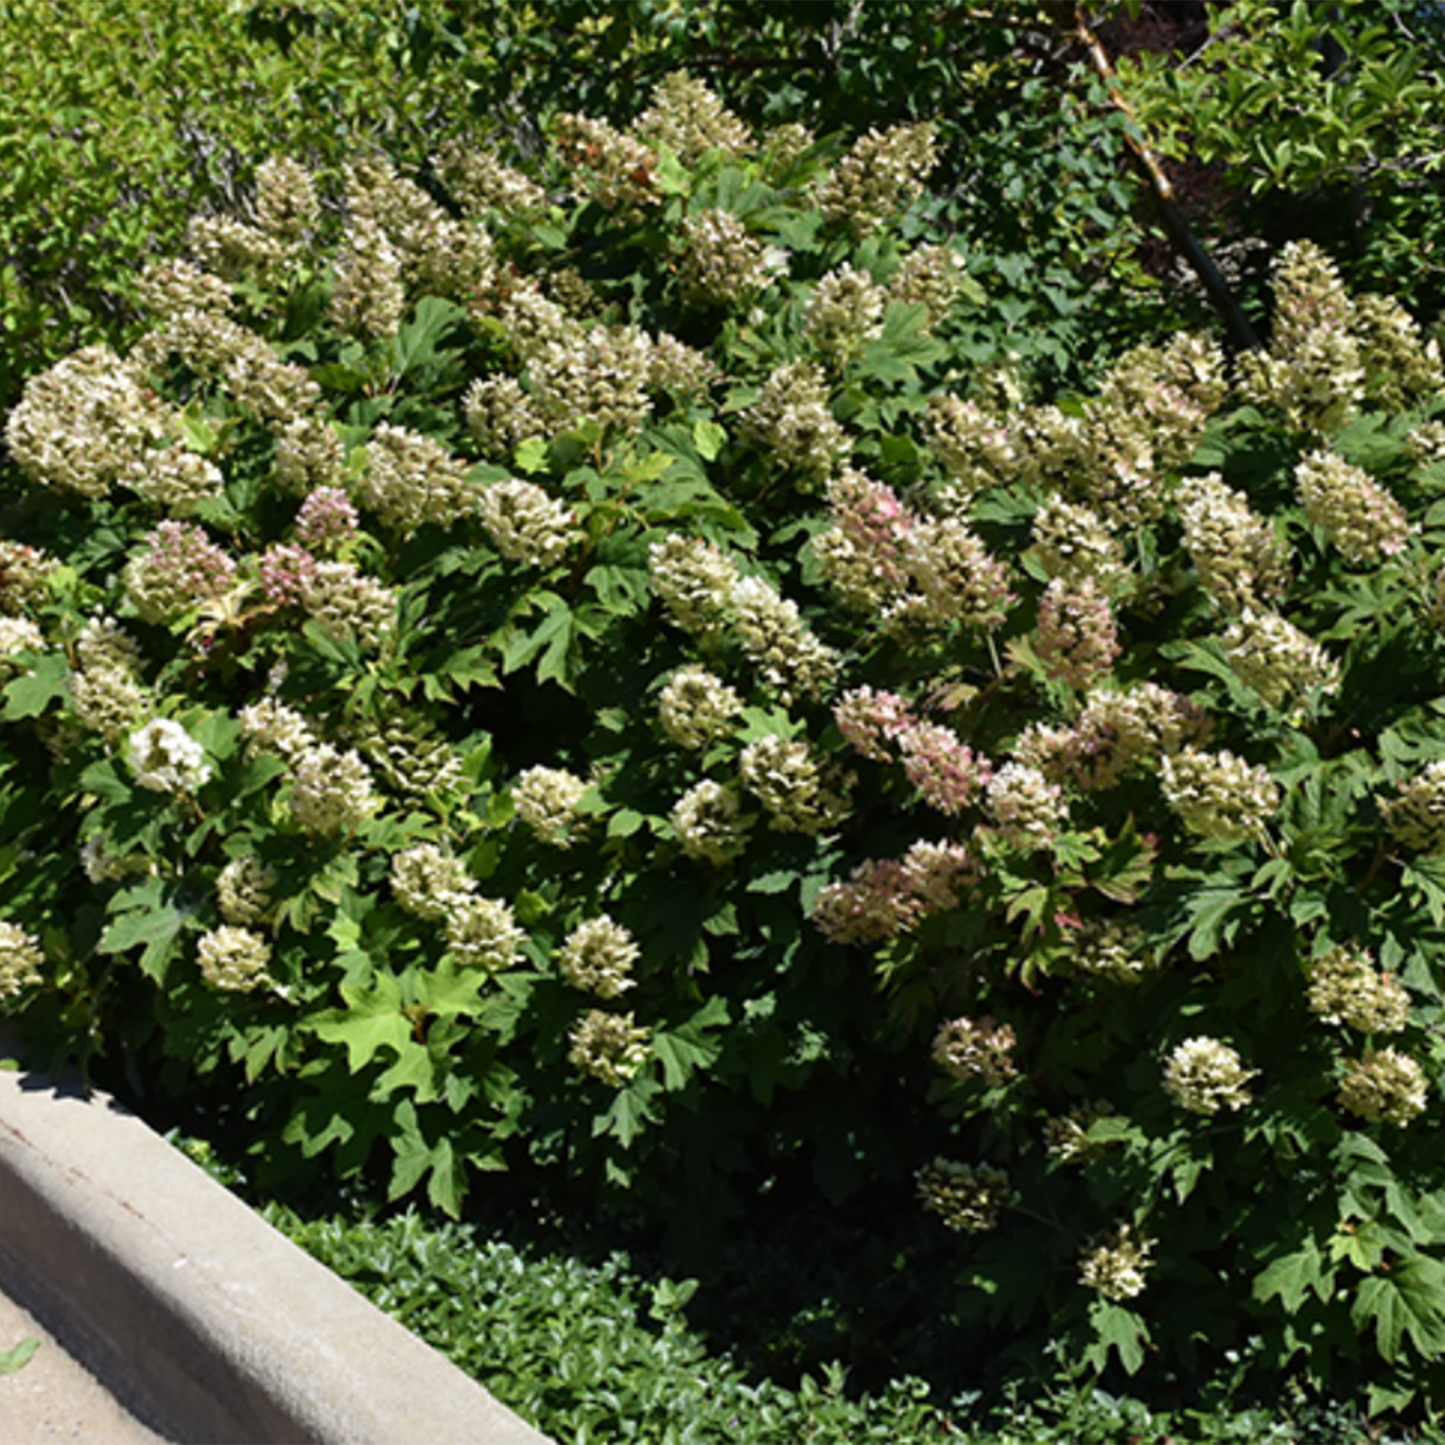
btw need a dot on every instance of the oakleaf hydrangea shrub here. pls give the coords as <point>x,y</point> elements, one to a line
<point>577,672</point>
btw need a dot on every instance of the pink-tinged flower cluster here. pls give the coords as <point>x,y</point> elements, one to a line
<point>947,773</point>
<point>862,556</point>
<point>180,567</point>
<point>872,721</point>
<point>286,573</point>
<point>327,519</point>
<point>887,896</point>
<point>1076,639</point>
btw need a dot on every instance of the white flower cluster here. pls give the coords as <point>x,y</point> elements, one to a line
<point>1401,367</point>
<point>171,288</point>
<point>793,419</point>
<point>233,959</point>
<point>609,1047</point>
<point>481,182</point>
<point>245,890</point>
<point>799,793</point>
<point>1241,560</point>
<point>546,801</point>
<point>23,576</point>
<point>86,423</point>
<point>1204,1076</point>
<point>236,251</point>
<point>778,643</point>
<point>694,580</point>
<point>688,118</point>
<point>844,311</point>
<point>411,479</point>
<point>1105,948</point>
<point>349,605</point>
<point>525,524</point>
<point>957,581</point>
<point>1028,809</point>
<point>597,957</point>
<point>1313,372</point>
<point>1116,1266</point>
<point>709,823</point>
<point>613,168</point>
<point>17,635</point>
<point>966,1197</point>
<point>598,375</point>
<point>695,707</point>
<point>435,254</point>
<point>179,568</point>
<point>1066,1137</point>
<point>173,479</point>
<point>429,883</point>
<point>309,456</point>
<point>1356,513</point>
<point>1416,815</point>
<point>878,177</point>
<point>167,759</point>
<point>967,1050</point>
<point>1074,544</point>
<point>1345,988</point>
<point>369,297</point>
<point>1286,667</point>
<point>930,276</point>
<point>331,792</point>
<point>272,727</point>
<point>1218,795</point>
<point>20,960</point>
<point>500,415</point>
<point>970,442</point>
<point>1384,1087</point>
<point>211,344</point>
<point>483,933</point>
<point>286,204</point>
<point>1116,733</point>
<point>105,690</point>
<point>722,262</point>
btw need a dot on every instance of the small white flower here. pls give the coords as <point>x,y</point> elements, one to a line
<point>167,759</point>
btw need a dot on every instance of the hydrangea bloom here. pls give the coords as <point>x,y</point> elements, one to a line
<point>695,706</point>
<point>1416,815</point>
<point>1218,795</point>
<point>20,960</point>
<point>609,1047</point>
<point>429,883</point>
<point>1356,513</point>
<point>483,933</point>
<point>245,890</point>
<point>597,957</point>
<point>1205,1076</point>
<point>800,794</point>
<point>966,1050</point>
<point>233,959</point>
<point>1345,988</point>
<point>708,821</point>
<point>1116,1266</point>
<point>1288,669</point>
<point>525,524</point>
<point>1384,1087</point>
<point>331,792</point>
<point>167,759</point>
<point>546,801</point>
<point>966,1197</point>
<point>1028,809</point>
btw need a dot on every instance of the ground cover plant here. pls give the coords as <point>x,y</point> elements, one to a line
<point>578,673</point>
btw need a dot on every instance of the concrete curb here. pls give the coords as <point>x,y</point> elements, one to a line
<point>211,1327</point>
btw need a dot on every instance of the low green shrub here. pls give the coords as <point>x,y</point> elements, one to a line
<point>582,674</point>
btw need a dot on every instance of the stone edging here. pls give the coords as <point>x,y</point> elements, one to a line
<point>200,1318</point>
